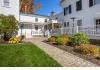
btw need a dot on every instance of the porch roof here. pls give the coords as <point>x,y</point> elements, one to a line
<point>34,23</point>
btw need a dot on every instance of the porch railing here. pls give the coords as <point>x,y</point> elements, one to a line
<point>89,30</point>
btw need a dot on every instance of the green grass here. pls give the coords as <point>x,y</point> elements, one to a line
<point>26,55</point>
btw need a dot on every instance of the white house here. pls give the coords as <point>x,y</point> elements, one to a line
<point>30,24</point>
<point>33,25</point>
<point>82,13</point>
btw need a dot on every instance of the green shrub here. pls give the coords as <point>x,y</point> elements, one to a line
<point>78,39</point>
<point>1,40</point>
<point>62,40</point>
<point>52,39</point>
<point>88,49</point>
<point>64,36</point>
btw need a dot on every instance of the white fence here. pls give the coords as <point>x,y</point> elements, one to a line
<point>89,30</point>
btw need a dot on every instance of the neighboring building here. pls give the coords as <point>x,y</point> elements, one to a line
<point>33,25</point>
<point>30,24</point>
<point>10,7</point>
<point>60,18</point>
<point>84,12</point>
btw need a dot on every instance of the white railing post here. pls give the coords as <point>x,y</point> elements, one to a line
<point>61,30</point>
<point>77,30</point>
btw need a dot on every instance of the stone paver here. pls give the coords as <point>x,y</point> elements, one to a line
<point>64,58</point>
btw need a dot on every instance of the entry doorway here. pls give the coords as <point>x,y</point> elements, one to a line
<point>79,24</point>
<point>37,30</point>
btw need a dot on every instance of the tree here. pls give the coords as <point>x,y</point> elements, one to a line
<point>28,6</point>
<point>8,25</point>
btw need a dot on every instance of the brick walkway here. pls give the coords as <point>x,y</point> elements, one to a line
<point>64,58</point>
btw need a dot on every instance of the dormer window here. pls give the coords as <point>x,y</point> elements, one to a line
<point>36,19</point>
<point>46,20</point>
<point>6,3</point>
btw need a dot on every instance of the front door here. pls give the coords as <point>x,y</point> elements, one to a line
<point>79,24</point>
<point>37,30</point>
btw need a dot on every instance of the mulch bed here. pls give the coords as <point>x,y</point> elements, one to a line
<point>72,51</point>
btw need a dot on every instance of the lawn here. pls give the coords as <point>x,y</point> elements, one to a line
<point>26,55</point>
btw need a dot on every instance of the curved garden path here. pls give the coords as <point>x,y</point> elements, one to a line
<point>64,58</point>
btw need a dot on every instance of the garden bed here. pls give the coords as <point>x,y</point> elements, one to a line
<point>74,52</point>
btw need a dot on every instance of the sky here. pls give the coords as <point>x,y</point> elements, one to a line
<point>48,6</point>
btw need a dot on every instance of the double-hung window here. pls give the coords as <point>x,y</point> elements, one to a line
<point>36,19</point>
<point>6,3</point>
<point>93,2</point>
<point>97,23</point>
<point>67,10</point>
<point>96,1</point>
<point>79,5</point>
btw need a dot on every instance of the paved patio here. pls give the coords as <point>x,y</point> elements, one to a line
<point>64,58</point>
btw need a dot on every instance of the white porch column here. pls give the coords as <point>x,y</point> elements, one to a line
<point>77,30</point>
<point>52,25</point>
<point>43,30</point>
<point>62,29</point>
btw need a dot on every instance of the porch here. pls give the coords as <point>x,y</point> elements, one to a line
<point>92,31</point>
<point>30,30</point>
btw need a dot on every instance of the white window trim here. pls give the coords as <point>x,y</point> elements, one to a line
<point>7,6</point>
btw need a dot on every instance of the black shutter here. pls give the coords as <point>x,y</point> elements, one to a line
<point>70,9</point>
<point>64,11</point>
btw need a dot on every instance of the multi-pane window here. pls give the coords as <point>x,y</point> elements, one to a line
<point>65,24</point>
<point>96,1</point>
<point>97,23</point>
<point>93,2</point>
<point>36,19</point>
<point>79,5</point>
<point>6,3</point>
<point>67,10</point>
<point>46,20</point>
<point>26,26</point>
<point>79,24</point>
<point>36,27</point>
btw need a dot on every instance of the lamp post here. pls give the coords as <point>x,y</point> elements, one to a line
<point>73,19</point>
<point>22,25</point>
